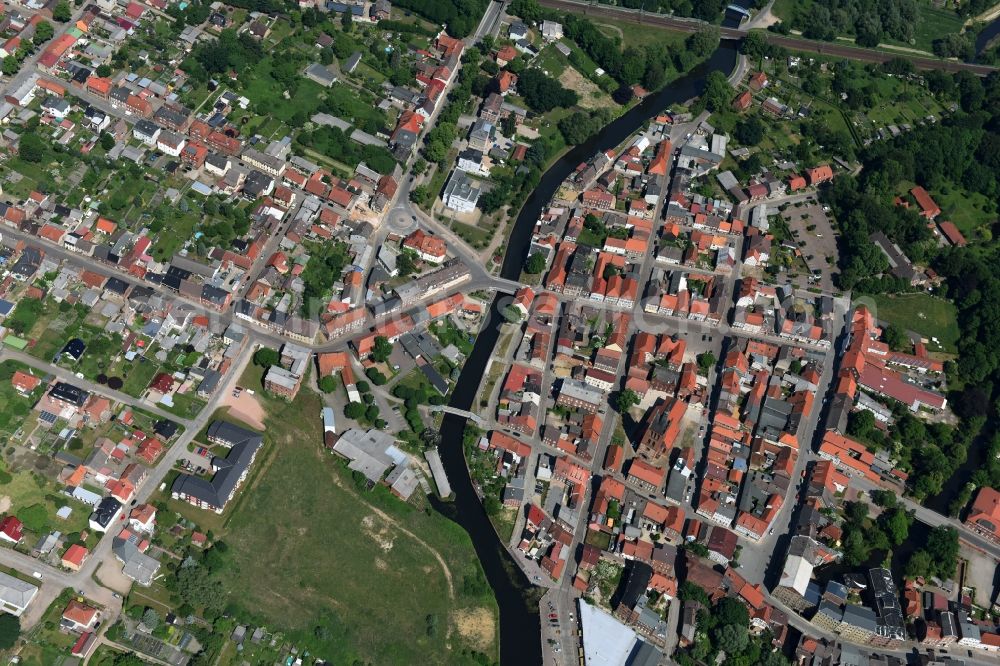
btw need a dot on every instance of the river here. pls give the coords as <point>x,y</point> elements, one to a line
<point>520,635</point>
<point>986,35</point>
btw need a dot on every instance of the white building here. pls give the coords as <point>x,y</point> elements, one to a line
<point>170,143</point>
<point>551,31</point>
<point>462,192</point>
<point>147,132</point>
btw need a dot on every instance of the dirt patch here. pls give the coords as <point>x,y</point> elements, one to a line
<point>476,626</point>
<point>4,504</point>
<point>382,535</point>
<point>246,408</point>
<point>590,96</point>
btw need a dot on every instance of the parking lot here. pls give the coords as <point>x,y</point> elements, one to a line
<point>813,232</point>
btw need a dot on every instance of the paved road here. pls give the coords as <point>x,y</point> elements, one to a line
<point>787,41</point>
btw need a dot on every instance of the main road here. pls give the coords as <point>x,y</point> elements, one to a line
<point>788,41</point>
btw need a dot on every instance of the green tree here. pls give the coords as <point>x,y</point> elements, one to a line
<point>10,630</point>
<point>895,338</point>
<point>920,564</point>
<point>755,45</point>
<point>371,414</point>
<point>265,357</point>
<point>704,42</point>
<point>104,71</point>
<point>328,384</point>
<point>884,498</point>
<point>420,195</point>
<point>896,525</point>
<point>718,93</point>
<point>107,141</point>
<point>535,264</point>
<point>376,377</point>
<point>861,424</point>
<point>942,546</point>
<point>406,263</point>
<point>31,147</point>
<point>43,32</point>
<point>731,611</point>
<point>750,131</point>
<point>354,410</point>
<point>62,12</point>
<point>626,400</point>
<point>10,66</point>
<point>151,619</point>
<point>731,638</point>
<point>706,361</point>
<point>382,349</point>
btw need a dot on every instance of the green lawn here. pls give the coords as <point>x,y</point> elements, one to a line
<point>927,315</point>
<point>934,24</point>
<point>968,210</point>
<point>474,235</point>
<point>378,593</point>
<point>137,374</point>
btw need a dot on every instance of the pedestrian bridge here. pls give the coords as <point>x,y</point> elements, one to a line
<point>505,285</point>
<point>476,418</point>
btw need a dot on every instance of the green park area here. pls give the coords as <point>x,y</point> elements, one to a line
<point>927,315</point>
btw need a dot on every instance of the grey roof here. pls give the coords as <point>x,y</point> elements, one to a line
<point>860,616</point>
<point>138,566</point>
<point>462,187</point>
<point>16,592</point>
<point>220,489</point>
<point>372,453</point>
<point>229,434</point>
<point>145,127</point>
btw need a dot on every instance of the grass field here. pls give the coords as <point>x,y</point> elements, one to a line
<point>635,34</point>
<point>968,211</point>
<point>350,574</point>
<point>924,314</point>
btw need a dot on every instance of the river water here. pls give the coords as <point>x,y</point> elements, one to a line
<point>520,636</point>
<point>987,35</point>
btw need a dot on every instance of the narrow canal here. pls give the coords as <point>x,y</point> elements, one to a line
<point>520,637</point>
